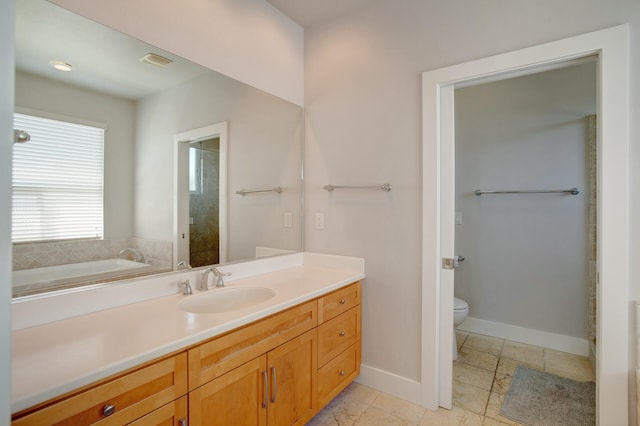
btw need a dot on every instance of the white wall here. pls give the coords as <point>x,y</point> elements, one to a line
<point>363,108</point>
<point>118,114</point>
<point>265,150</point>
<point>248,40</point>
<point>527,256</point>
<point>7,13</point>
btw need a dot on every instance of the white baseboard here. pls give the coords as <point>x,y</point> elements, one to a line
<point>390,383</point>
<point>558,342</point>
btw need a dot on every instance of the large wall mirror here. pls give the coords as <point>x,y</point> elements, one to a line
<point>169,194</point>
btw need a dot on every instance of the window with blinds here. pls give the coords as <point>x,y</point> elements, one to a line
<point>57,181</point>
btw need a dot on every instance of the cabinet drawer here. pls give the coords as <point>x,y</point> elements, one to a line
<point>132,396</point>
<point>337,334</point>
<point>334,376</point>
<point>339,301</point>
<point>216,357</point>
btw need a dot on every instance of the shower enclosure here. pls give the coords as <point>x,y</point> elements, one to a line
<point>204,208</point>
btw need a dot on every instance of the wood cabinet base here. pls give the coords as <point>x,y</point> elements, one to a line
<point>277,371</point>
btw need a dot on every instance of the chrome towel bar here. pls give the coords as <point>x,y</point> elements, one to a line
<point>385,187</point>
<point>244,192</point>
<point>572,191</point>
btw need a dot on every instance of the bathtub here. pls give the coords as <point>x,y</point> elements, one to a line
<point>30,280</point>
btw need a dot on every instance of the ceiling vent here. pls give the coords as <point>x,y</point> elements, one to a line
<point>154,59</point>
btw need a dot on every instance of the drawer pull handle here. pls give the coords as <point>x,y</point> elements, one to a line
<point>108,410</point>
<point>342,333</point>
<point>342,301</point>
<point>266,389</point>
<point>342,372</point>
<point>182,422</point>
<point>275,390</point>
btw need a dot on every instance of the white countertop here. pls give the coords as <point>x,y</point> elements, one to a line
<point>51,359</point>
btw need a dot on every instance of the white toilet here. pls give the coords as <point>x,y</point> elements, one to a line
<point>460,313</point>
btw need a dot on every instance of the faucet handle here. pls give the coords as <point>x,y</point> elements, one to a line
<point>186,287</point>
<point>183,265</point>
<point>220,275</point>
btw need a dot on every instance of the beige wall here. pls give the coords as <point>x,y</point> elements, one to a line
<point>363,107</point>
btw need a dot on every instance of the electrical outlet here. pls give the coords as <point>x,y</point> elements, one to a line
<point>319,220</point>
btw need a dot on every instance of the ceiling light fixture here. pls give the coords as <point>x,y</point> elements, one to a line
<point>155,59</point>
<point>61,66</point>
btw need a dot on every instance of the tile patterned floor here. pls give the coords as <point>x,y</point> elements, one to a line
<point>481,377</point>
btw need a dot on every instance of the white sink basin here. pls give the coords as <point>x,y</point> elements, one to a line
<point>225,299</point>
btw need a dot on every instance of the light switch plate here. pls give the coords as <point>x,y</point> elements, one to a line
<point>319,220</point>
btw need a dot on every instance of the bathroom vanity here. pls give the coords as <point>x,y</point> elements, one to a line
<point>276,362</point>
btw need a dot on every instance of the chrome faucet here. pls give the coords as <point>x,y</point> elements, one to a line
<point>137,254</point>
<point>204,280</point>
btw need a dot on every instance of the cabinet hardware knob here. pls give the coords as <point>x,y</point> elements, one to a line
<point>342,301</point>
<point>182,422</point>
<point>342,333</point>
<point>342,372</point>
<point>108,410</point>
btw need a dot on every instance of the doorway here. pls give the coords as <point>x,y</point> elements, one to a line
<point>200,196</point>
<point>611,48</point>
<point>526,273</point>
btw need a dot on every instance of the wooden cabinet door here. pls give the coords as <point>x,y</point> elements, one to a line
<point>293,381</point>
<point>236,398</point>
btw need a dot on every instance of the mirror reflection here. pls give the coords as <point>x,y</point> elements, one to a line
<point>204,202</point>
<point>152,216</point>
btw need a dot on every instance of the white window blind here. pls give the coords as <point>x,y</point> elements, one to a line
<point>57,181</point>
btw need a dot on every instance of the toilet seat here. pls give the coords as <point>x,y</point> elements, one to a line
<point>459,304</point>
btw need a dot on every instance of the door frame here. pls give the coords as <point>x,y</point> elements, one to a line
<point>611,46</point>
<point>181,180</point>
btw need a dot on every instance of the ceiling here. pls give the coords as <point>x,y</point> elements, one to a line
<point>102,59</point>
<point>308,13</point>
